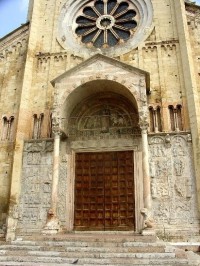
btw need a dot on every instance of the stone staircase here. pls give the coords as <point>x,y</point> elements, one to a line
<point>93,249</point>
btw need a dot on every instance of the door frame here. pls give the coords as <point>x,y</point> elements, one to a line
<point>138,181</point>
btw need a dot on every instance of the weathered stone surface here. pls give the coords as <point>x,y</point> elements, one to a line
<point>119,250</point>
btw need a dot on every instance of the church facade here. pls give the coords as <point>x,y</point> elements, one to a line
<point>100,119</point>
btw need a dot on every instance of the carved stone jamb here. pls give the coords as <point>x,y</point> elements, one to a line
<point>53,225</point>
<point>146,212</point>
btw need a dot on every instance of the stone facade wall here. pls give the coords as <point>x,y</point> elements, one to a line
<point>193,18</point>
<point>13,50</point>
<point>159,55</point>
<point>172,186</point>
<point>27,93</point>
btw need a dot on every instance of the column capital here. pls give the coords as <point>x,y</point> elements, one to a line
<point>56,126</point>
<point>143,124</point>
<point>56,131</point>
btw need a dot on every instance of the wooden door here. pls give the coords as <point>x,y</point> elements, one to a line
<point>104,191</point>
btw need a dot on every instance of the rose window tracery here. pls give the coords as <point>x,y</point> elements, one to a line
<point>105,23</point>
<point>111,27</point>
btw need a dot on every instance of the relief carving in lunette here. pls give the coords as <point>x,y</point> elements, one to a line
<point>104,119</point>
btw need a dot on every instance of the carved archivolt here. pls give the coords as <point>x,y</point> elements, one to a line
<point>98,74</point>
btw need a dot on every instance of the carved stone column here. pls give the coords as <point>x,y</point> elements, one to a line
<point>146,212</point>
<point>53,225</point>
<point>56,159</point>
<point>145,164</point>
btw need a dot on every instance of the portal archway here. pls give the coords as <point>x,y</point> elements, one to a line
<point>104,143</point>
<point>111,127</point>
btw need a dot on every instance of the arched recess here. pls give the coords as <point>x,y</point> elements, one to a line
<point>101,116</point>
<point>104,115</point>
<point>101,89</point>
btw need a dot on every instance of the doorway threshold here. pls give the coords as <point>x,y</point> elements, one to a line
<point>106,232</point>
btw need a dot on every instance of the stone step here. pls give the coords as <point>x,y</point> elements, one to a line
<point>93,251</point>
<point>91,243</point>
<point>88,254</point>
<point>80,243</point>
<point>175,263</point>
<point>75,246</point>
<point>188,246</point>
<point>93,237</point>
<point>72,248</point>
<point>92,261</point>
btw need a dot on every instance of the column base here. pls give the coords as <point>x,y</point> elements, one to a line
<point>11,229</point>
<point>148,232</point>
<point>53,225</point>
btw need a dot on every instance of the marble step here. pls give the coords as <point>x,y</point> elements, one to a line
<point>86,246</point>
<point>175,263</point>
<point>92,237</point>
<point>92,261</point>
<point>84,249</point>
<point>88,254</point>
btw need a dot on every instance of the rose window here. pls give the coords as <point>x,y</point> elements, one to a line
<point>112,27</point>
<point>106,23</point>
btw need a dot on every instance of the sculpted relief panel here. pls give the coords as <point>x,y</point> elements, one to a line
<point>106,118</point>
<point>36,186</point>
<point>172,180</point>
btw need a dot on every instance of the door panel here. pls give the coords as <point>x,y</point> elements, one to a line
<point>104,191</point>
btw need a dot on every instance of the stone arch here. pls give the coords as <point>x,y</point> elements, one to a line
<point>87,100</point>
<point>93,79</point>
<point>87,87</point>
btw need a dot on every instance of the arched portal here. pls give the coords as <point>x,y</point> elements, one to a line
<point>101,121</point>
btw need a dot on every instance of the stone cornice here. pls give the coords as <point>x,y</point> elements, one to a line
<point>17,35</point>
<point>103,58</point>
<point>161,42</point>
<point>43,55</point>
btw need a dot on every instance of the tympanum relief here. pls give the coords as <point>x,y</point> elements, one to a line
<point>104,119</point>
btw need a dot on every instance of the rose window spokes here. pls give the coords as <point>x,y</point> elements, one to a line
<point>106,23</point>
